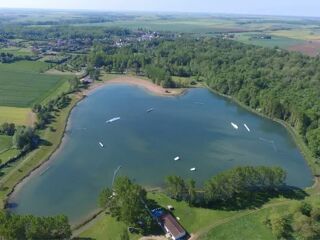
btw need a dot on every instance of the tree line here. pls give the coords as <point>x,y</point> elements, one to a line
<point>231,187</point>
<point>280,84</point>
<point>14,227</point>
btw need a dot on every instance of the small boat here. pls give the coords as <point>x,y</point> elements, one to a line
<point>177,158</point>
<point>101,144</point>
<point>235,126</point>
<point>150,110</point>
<point>113,120</point>
<point>192,169</point>
<point>248,129</point>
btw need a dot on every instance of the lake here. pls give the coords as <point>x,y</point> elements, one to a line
<point>195,126</point>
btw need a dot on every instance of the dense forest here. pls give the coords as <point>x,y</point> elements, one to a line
<point>275,82</point>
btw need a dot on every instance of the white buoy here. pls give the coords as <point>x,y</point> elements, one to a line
<point>192,169</point>
<point>235,126</point>
<point>101,144</point>
<point>177,158</point>
<point>246,126</point>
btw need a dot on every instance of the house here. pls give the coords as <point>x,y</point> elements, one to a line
<point>86,80</point>
<point>172,227</point>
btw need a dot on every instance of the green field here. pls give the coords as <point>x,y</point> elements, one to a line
<point>6,150</point>
<point>17,51</point>
<point>18,116</point>
<point>5,143</point>
<point>276,41</point>
<point>106,228</point>
<point>23,84</point>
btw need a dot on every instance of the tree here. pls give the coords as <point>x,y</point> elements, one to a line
<point>192,194</point>
<point>279,225</point>
<point>25,138</point>
<point>126,202</point>
<point>31,227</point>
<point>105,198</point>
<point>7,129</point>
<point>175,187</point>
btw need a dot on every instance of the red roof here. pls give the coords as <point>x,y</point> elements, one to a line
<point>173,226</point>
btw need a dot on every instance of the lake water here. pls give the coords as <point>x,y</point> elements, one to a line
<point>196,126</point>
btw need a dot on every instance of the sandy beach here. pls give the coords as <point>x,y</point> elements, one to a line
<point>131,80</point>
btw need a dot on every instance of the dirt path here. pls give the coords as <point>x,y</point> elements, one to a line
<point>202,232</point>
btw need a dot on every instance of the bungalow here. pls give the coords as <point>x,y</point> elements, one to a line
<point>173,227</point>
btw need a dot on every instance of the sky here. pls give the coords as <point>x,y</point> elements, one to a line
<point>259,7</point>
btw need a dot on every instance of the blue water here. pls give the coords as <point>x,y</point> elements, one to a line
<point>195,126</point>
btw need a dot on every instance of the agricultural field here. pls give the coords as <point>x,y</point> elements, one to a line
<point>275,41</point>
<point>23,83</point>
<point>303,34</point>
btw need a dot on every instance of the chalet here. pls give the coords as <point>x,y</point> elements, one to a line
<point>173,228</point>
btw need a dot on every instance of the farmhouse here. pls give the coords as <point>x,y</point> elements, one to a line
<point>172,227</point>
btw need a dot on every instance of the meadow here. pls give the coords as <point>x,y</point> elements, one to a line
<point>23,83</point>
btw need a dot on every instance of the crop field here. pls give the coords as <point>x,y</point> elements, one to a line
<point>311,48</point>
<point>18,116</point>
<point>275,41</point>
<point>23,84</point>
<point>176,25</point>
<point>304,34</point>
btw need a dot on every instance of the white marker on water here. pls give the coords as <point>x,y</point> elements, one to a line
<point>235,126</point>
<point>248,129</point>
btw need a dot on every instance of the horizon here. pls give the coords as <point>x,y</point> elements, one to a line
<point>231,7</point>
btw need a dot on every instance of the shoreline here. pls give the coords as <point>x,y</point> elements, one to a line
<point>79,96</point>
<point>127,80</point>
<point>302,147</point>
<point>146,85</point>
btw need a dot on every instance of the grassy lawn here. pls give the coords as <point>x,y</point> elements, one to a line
<point>23,84</point>
<point>19,116</point>
<point>6,150</point>
<point>8,155</point>
<point>191,218</point>
<point>246,227</point>
<point>106,228</point>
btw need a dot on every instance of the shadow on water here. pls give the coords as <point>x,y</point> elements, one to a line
<point>11,205</point>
